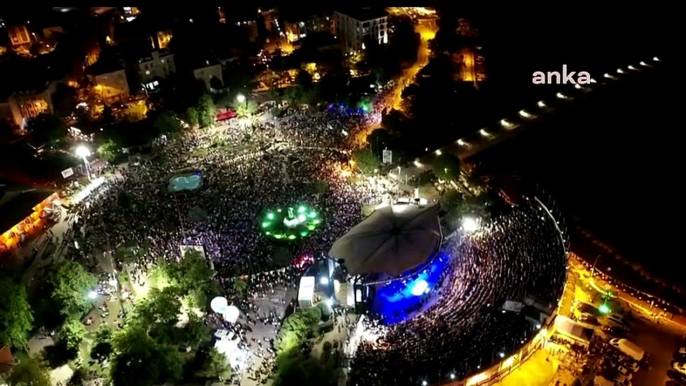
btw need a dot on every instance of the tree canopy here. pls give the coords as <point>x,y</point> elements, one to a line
<point>70,284</point>
<point>167,124</point>
<point>16,316</point>
<point>30,372</point>
<point>215,365</point>
<point>207,111</point>
<point>141,361</point>
<point>193,277</point>
<point>366,160</point>
<point>446,167</point>
<point>47,129</point>
<point>108,150</point>
<point>72,334</point>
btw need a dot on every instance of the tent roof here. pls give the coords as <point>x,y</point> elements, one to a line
<point>391,241</point>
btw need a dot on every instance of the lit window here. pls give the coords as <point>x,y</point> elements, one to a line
<point>147,72</point>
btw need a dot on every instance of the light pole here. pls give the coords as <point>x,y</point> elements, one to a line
<point>593,268</point>
<point>83,152</point>
<point>242,99</point>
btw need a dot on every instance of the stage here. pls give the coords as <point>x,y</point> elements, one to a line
<point>398,300</point>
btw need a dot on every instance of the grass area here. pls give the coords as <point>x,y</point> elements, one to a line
<point>536,371</point>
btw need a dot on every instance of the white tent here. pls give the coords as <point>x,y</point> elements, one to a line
<point>391,241</point>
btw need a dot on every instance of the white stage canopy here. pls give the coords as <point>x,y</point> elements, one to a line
<point>392,240</point>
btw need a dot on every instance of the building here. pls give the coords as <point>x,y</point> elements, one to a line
<point>110,82</point>
<point>354,27</point>
<point>160,40</point>
<point>23,212</point>
<point>207,71</point>
<point>19,35</point>
<point>19,106</point>
<point>271,20</point>
<point>299,26</point>
<point>159,64</point>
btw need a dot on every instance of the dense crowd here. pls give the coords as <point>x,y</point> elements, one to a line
<point>247,168</point>
<point>518,255</point>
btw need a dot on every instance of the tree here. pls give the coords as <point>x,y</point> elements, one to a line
<point>47,129</point>
<point>160,307</point>
<point>103,342</point>
<point>246,109</point>
<point>193,277</point>
<point>216,366</point>
<point>135,112</point>
<point>78,378</point>
<point>140,361</point>
<point>304,80</point>
<point>16,316</point>
<point>207,111</point>
<point>195,331</point>
<point>446,167</point>
<point>30,372</point>
<point>300,369</point>
<point>70,285</point>
<point>168,125</point>
<point>108,150</point>
<point>72,334</point>
<point>366,160</point>
<point>192,116</point>
<point>64,100</point>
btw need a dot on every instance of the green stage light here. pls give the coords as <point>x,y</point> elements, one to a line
<point>604,309</point>
<point>290,223</point>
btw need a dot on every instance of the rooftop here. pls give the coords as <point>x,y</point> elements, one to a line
<point>148,57</point>
<point>17,202</point>
<point>363,13</point>
<point>104,67</point>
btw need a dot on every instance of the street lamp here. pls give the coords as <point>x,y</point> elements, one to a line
<point>92,295</point>
<point>83,152</point>
<point>240,98</point>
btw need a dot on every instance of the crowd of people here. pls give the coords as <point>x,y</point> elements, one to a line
<point>464,328</point>
<point>248,167</point>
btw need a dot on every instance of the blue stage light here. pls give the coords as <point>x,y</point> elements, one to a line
<point>420,288</point>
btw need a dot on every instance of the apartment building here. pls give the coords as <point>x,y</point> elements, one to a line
<point>208,70</point>
<point>356,26</point>
<point>19,34</point>
<point>20,106</point>
<point>299,26</point>
<point>159,64</point>
<point>110,82</point>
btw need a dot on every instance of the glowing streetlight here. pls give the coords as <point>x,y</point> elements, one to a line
<point>469,224</point>
<point>604,309</point>
<point>240,98</point>
<point>324,280</point>
<point>83,152</point>
<point>92,295</point>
